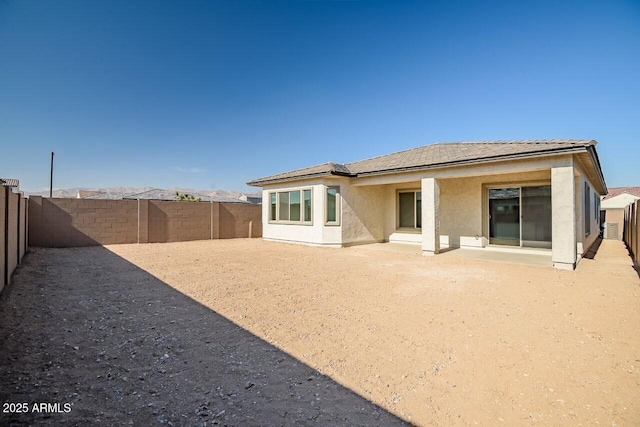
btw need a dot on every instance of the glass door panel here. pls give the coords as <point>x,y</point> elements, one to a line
<point>536,217</point>
<point>504,216</point>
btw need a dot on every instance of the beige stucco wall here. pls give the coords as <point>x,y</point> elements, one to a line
<point>369,205</point>
<point>362,216</point>
<point>461,212</point>
<point>585,241</point>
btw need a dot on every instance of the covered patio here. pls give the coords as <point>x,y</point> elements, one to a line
<point>540,257</point>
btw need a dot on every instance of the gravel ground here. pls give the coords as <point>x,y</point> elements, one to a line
<point>247,332</point>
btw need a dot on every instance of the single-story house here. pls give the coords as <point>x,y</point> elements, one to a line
<point>501,195</point>
<point>613,205</point>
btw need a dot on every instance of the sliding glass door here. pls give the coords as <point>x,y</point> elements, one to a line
<point>536,217</point>
<point>520,216</point>
<point>504,216</point>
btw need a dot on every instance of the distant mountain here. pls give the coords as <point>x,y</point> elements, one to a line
<point>117,192</point>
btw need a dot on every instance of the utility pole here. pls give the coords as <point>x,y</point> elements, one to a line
<point>51,178</point>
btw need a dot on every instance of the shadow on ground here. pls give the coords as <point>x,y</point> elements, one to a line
<point>636,267</point>
<point>88,328</point>
<point>593,249</point>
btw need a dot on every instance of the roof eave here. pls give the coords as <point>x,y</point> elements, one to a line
<point>557,151</point>
<point>263,182</point>
<point>596,164</point>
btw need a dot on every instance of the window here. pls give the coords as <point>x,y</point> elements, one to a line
<point>272,211</point>
<point>333,205</point>
<point>587,209</point>
<point>284,206</point>
<point>307,205</point>
<point>290,206</point>
<point>410,209</point>
<point>294,206</point>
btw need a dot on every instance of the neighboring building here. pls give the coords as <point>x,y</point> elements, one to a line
<point>83,194</point>
<point>10,182</point>
<point>256,200</point>
<point>161,194</point>
<point>613,205</point>
<point>505,195</point>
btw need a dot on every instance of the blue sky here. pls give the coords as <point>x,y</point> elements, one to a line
<point>211,94</point>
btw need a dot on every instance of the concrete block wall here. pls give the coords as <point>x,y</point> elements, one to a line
<point>631,232</point>
<point>82,222</point>
<point>179,221</point>
<point>13,233</point>
<point>85,222</point>
<point>239,220</point>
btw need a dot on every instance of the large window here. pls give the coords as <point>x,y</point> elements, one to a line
<point>587,209</point>
<point>333,206</point>
<point>410,209</point>
<point>290,206</point>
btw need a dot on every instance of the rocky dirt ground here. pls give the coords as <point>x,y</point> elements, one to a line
<point>247,332</point>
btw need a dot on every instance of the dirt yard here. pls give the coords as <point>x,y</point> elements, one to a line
<point>247,332</point>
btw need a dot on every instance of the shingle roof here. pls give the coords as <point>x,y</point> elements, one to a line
<point>434,155</point>
<point>616,191</point>
<point>328,168</point>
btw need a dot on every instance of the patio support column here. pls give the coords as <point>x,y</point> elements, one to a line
<point>430,216</point>
<point>563,217</point>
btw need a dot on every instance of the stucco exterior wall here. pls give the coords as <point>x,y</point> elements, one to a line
<point>584,240</point>
<point>460,210</point>
<point>369,206</point>
<point>462,214</point>
<point>362,216</point>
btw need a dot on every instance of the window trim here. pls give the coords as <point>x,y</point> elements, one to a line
<point>587,209</point>
<point>301,190</point>
<point>338,205</point>
<point>415,192</point>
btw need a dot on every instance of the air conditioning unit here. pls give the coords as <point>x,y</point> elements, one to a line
<point>612,230</point>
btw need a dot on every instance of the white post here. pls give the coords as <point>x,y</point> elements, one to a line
<point>430,216</point>
<point>563,218</point>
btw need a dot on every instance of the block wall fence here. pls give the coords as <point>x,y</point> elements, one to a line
<point>631,230</point>
<point>13,232</point>
<point>68,222</point>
